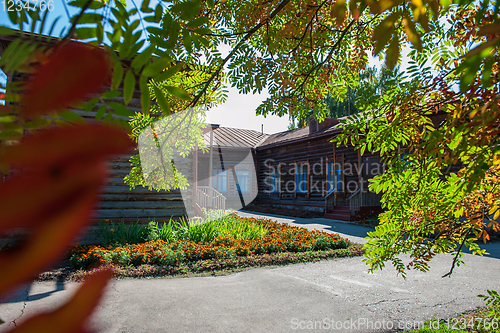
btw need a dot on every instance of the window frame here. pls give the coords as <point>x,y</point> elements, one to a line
<point>220,173</point>
<point>297,184</point>
<point>275,178</point>
<point>237,187</point>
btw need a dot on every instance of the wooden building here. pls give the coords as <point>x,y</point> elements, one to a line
<point>303,169</point>
<point>231,162</point>
<point>294,169</point>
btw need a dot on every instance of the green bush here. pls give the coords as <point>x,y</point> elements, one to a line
<point>110,233</point>
<point>165,233</point>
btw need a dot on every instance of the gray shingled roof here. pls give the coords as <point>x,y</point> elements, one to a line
<point>242,138</point>
<point>236,137</point>
<point>296,134</point>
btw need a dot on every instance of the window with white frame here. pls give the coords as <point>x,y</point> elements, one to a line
<point>219,180</point>
<point>243,183</point>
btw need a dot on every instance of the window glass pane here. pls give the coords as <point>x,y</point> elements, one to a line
<point>340,184</point>
<point>275,178</point>
<point>331,175</point>
<point>243,180</point>
<point>222,182</point>
<point>301,178</point>
<point>219,180</point>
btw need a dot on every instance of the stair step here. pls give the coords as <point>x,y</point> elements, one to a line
<point>342,208</point>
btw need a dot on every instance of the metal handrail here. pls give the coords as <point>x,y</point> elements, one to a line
<point>355,193</point>
<point>327,199</point>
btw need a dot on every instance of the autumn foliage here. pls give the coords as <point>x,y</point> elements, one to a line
<point>63,169</point>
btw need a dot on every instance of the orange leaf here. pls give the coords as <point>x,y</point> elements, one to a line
<point>60,170</point>
<point>71,316</point>
<point>57,196</point>
<point>68,144</point>
<point>71,73</point>
<point>4,109</point>
<point>50,239</point>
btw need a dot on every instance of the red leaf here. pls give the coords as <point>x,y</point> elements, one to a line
<point>56,197</point>
<point>71,316</point>
<point>71,73</point>
<point>68,144</point>
<point>4,109</point>
<point>50,239</point>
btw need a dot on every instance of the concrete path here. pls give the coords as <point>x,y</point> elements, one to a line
<point>331,295</point>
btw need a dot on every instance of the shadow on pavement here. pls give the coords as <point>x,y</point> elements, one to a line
<point>23,295</point>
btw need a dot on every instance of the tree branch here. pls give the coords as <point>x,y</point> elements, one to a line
<point>73,25</point>
<point>233,51</point>
<point>458,253</point>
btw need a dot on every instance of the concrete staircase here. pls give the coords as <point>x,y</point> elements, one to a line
<point>342,213</point>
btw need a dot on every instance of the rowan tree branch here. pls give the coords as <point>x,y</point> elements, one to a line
<point>73,25</point>
<point>233,51</point>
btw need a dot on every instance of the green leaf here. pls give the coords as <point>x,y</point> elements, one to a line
<point>129,86</point>
<point>197,22</point>
<point>100,112</point>
<point>14,134</point>
<point>186,10</point>
<point>81,4</point>
<point>4,31</point>
<point>13,16</point>
<point>72,117</point>
<point>392,55</point>
<point>86,33</point>
<point>186,38</point>
<point>88,18</point>
<point>145,98</point>
<point>152,19</point>
<point>121,110</point>
<point>378,7</point>
<point>155,31</point>
<point>133,50</point>
<point>383,32</point>
<point>162,101</point>
<point>156,67</point>
<point>488,69</point>
<point>90,104</point>
<point>179,93</point>
<point>203,31</point>
<point>111,94</point>
<point>411,32</point>
<point>159,12</point>
<point>168,73</point>
<point>141,59</point>
<point>117,75</point>
<point>468,69</point>
<point>145,6</point>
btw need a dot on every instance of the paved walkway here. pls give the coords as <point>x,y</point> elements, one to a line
<point>302,297</point>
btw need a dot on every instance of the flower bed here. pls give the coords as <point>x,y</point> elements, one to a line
<point>278,238</point>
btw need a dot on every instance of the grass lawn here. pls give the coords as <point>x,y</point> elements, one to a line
<point>218,245</point>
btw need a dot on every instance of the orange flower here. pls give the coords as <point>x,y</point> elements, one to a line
<point>112,230</point>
